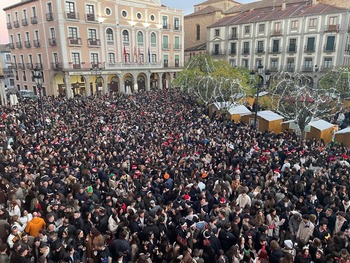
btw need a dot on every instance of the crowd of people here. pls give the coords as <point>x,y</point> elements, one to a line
<point>152,178</point>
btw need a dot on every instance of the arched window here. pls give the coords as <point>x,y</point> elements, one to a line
<point>153,39</point>
<point>125,37</point>
<point>198,32</point>
<point>109,34</point>
<point>140,38</point>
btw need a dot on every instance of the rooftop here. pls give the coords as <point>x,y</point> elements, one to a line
<point>321,125</point>
<point>346,130</point>
<point>269,115</point>
<point>207,10</point>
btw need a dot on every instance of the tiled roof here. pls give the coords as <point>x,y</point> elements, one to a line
<point>205,11</point>
<point>260,4</point>
<point>208,2</point>
<point>270,13</point>
<point>199,47</point>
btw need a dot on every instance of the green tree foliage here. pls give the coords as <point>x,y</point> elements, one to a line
<point>338,78</point>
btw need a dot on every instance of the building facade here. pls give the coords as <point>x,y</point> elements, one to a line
<point>294,35</point>
<point>85,47</point>
<point>6,67</point>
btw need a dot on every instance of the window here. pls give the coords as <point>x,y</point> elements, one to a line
<point>260,47</point>
<point>36,34</point>
<point>290,64</point>
<point>94,58</point>
<point>310,47</point>
<point>165,42</point>
<point>27,36</point>
<point>333,20</point>
<point>165,22</point>
<point>233,50</point>
<point>154,58</point>
<point>166,61</point>
<point>312,22</point>
<point>24,14</point>
<point>92,35</point>
<point>232,62</point>
<point>233,32</point>
<point>73,32</point>
<point>328,62</point>
<point>90,10</point>
<point>177,61</point>
<point>19,38</point>
<point>294,24</point>
<point>152,17</point>
<point>198,32</point>
<point>245,63</point>
<point>16,16</point>
<point>277,26</point>
<point>274,64</point>
<point>139,15</point>
<point>108,11</point>
<point>153,39</point>
<point>261,28</point>
<point>55,58</point>
<point>8,57</point>
<point>330,45</point>
<point>8,18</point>
<point>33,11</point>
<point>276,45</point>
<point>75,58</point>
<point>124,13</point>
<point>49,7</point>
<point>109,35</point>
<point>308,64</point>
<point>217,32</point>
<point>177,43</point>
<point>140,38</point>
<point>247,30</point>
<point>52,33</point>
<point>70,7</point>
<point>246,46</point>
<point>176,23</point>
<point>125,37</point>
<point>216,49</point>
<point>292,45</point>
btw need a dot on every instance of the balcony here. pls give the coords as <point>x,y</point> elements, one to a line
<point>27,44</point>
<point>14,65</point>
<point>233,36</point>
<point>52,42</point>
<point>76,66</point>
<point>56,65</point>
<point>259,51</point>
<point>218,53</point>
<point>21,66</point>
<point>276,32</point>
<point>275,50</point>
<point>24,22</point>
<point>307,68</point>
<point>232,52</point>
<point>36,43</point>
<point>292,49</point>
<point>72,15</point>
<point>245,51</point>
<point>166,27</point>
<point>19,44</point>
<point>12,46</point>
<point>7,71</point>
<point>326,68</point>
<point>133,65</point>
<point>94,42</point>
<point>290,68</point>
<point>328,48</point>
<point>9,25</point>
<point>166,64</point>
<point>177,47</point>
<point>38,65</point>
<point>29,66</point>
<point>74,41</point>
<point>177,28</point>
<point>274,68</point>
<point>49,16</point>
<point>90,18</point>
<point>16,24</point>
<point>34,20</point>
<point>332,28</point>
<point>310,49</point>
<point>166,47</point>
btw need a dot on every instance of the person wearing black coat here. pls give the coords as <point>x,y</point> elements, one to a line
<point>150,227</point>
<point>226,237</point>
<point>120,246</point>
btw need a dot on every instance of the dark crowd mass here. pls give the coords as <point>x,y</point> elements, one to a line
<point>151,178</point>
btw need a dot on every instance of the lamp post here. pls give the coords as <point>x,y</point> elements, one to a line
<point>96,70</point>
<point>38,77</point>
<point>262,81</point>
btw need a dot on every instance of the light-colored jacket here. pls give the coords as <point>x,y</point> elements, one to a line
<point>305,231</point>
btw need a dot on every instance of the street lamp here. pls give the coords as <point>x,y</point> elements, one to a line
<point>262,81</point>
<point>96,70</point>
<point>38,77</point>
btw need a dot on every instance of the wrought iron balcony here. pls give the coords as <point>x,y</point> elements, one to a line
<point>166,27</point>
<point>24,22</point>
<point>16,24</point>
<point>326,68</point>
<point>30,66</point>
<point>218,53</point>
<point>36,43</point>
<point>76,66</point>
<point>177,28</point>
<point>9,25</point>
<point>275,50</point>
<point>34,20</point>
<point>233,36</point>
<point>91,18</point>
<point>27,44</point>
<point>19,44</point>
<point>166,47</point>
<point>332,28</point>
<point>259,51</point>
<point>328,48</point>
<point>72,15</point>
<point>74,41</point>
<point>290,68</point>
<point>233,52</point>
<point>38,65</point>
<point>246,51</point>
<point>52,42</point>
<point>276,32</point>
<point>49,16</point>
<point>21,66</point>
<point>12,46</point>
<point>274,68</point>
<point>177,47</point>
<point>94,42</point>
<point>309,49</point>
<point>307,68</point>
<point>56,65</point>
<point>292,49</point>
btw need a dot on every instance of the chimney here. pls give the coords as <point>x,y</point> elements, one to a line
<point>284,5</point>
<point>314,2</point>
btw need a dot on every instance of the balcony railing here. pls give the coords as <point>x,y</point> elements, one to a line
<point>275,50</point>
<point>111,65</point>
<point>245,51</point>
<point>34,20</point>
<point>30,66</point>
<point>24,22</point>
<point>9,25</point>
<point>327,48</point>
<point>310,49</point>
<point>36,43</point>
<point>56,65</point>
<point>166,27</point>
<point>166,47</point>
<point>14,65</point>
<point>19,44</point>
<point>274,68</point>
<point>326,68</point>
<point>276,32</point>
<point>27,44</point>
<point>49,16</point>
<point>177,28</point>
<point>259,51</point>
<point>12,46</point>
<point>307,68</point>
<point>234,36</point>
<point>38,65</point>
<point>52,42</point>
<point>290,68</point>
<point>218,53</point>
<point>177,47</point>
<point>16,24</point>
<point>91,18</point>
<point>74,41</point>
<point>7,71</point>
<point>76,66</point>
<point>94,42</point>
<point>165,63</point>
<point>292,49</point>
<point>232,52</point>
<point>332,28</point>
<point>21,66</point>
<point>72,15</point>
